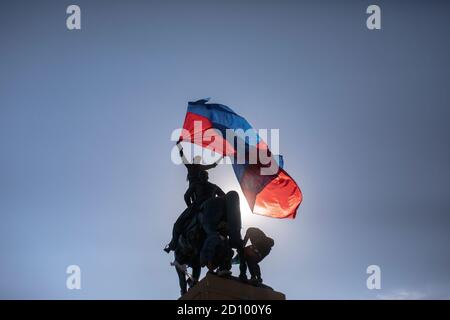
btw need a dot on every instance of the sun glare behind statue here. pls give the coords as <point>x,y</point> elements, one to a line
<point>248,218</point>
<point>223,175</point>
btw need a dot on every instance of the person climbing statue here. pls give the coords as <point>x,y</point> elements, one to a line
<point>193,170</point>
<point>199,191</point>
<point>195,167</point>
<point>260,247</point>
<point>216,254</point>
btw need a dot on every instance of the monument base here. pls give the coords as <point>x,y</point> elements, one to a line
<point>213,287</point>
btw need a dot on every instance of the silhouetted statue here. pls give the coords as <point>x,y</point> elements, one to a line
<point>187,253</point>
<point>260,247</point>
<point>216,253</point>
<point>188,234</point>
<point>220,218</point>
<point>196,188</point>
<point>199,191</point>
<point>208,233</point>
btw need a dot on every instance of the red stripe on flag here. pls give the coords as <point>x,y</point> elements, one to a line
<point>280,198</point>
<point>212,140</point>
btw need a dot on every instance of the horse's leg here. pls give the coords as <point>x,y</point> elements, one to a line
<point>196,270</point>
<point>182,282</point>
<point>234,228</point>
<point>242,264</point>
<point>178,226</point>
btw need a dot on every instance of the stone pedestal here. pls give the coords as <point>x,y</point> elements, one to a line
<point>212,287</point>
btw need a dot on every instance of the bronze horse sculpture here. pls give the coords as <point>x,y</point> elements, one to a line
<point>208,240</point>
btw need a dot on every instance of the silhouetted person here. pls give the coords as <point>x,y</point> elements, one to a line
<point>199,191</point>
<point>195,167</point>
<point>260,247</point>
<point>216,253</point>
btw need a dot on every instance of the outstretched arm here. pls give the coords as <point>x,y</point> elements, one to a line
<point>183,158</point>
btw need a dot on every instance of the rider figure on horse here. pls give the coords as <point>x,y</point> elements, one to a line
<point>199,190</point>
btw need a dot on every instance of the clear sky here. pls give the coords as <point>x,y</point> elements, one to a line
<point>86,118</point>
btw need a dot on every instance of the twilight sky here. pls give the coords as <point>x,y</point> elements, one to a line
<point>86,117</point>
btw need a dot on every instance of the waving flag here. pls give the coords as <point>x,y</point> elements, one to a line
<point>274,194</point>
